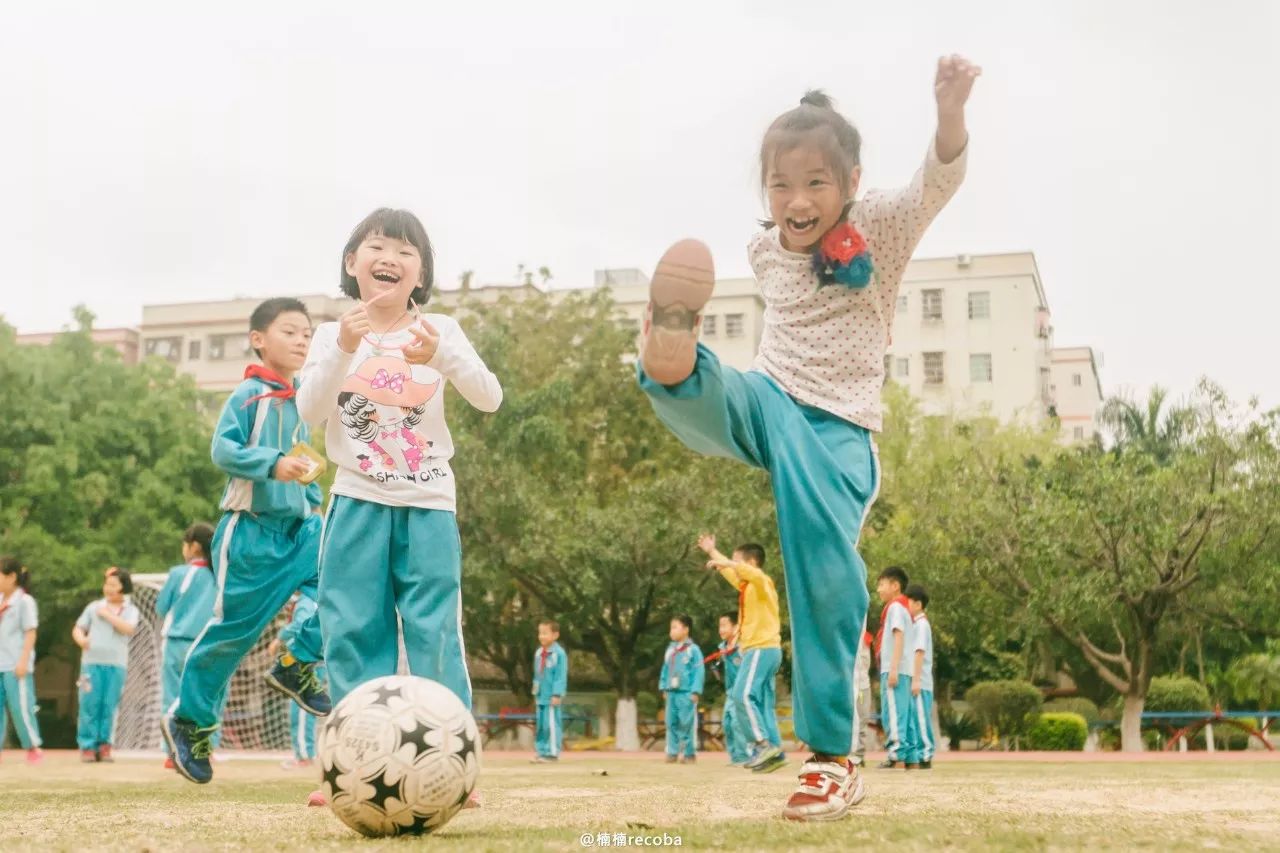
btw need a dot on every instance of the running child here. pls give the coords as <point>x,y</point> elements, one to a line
<point>185,604</point>
<point>102,632</point>
<point>681,682</point>
<point>829,267</point>
<point>892,641</point>
<point>862,683</point>
<point>18,623</point>
<point>760,637</point>
<point>550,682</point>
<point>729,654</point>
<point>266,544</point>
<point>922,675</point>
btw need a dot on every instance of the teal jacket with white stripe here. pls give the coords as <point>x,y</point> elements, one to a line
<point>249,440</point>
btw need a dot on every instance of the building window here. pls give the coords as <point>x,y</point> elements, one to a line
<point>1045,385</point>
<point>193,350</point>
<point>931,304</point>
<point>709,325</point>
<point>1077,433</point>
<point>1077,380</point>
<point>166,348</point>
<point>933,368</point>
<point>229,347</point>
<point>902,302</point>
<point>733,325</point>
<point>980,305</point>
<point>901,368</point>
<point>980,367</point>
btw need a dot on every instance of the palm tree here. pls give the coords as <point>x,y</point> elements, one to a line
<point>1155,429</point>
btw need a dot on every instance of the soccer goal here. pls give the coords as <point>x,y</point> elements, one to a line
<point>256,718</point>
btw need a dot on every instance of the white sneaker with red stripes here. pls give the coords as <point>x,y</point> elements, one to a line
<point>827,790</point>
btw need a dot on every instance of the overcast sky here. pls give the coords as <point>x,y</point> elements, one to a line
<point>155,154</point>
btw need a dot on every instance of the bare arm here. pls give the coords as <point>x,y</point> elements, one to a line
<point>952,85</point>
<point>120,625</point>
<point>917,669</point>
<point>895,662</point>
<point>81,638</point>
<point>28,646</point>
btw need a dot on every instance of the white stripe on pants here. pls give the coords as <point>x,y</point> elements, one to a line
<point>926,752</point>
<point>757,733</point>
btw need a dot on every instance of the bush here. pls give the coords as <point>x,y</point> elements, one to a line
<point>1061,731</point>
<point>1177,693</point>
<point>958,725</point>
<point>1075,705</point>
<point>1007,708</point>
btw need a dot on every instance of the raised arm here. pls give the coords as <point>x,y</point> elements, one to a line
<point>325,369</point>
<point>951,87</point>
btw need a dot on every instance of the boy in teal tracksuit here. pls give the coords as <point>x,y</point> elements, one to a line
<point>550,681</point>
<point>266,545</point>
<point>893,646</point>
<point>681,683</point>
<point>730,655</point>
<point>102,632</point>
<point>185,604</point>
<point>302,725</point>
<point>921,676</point>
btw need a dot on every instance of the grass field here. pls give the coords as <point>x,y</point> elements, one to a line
<point>1159,804</point>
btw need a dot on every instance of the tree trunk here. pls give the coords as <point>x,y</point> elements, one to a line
<point>626,737</point>
<point>1131,724</point>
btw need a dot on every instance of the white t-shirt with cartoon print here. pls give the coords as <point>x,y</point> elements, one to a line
<point>386,429</point>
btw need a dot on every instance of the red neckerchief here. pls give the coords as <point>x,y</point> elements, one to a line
<point>720,653</point>
<point>542,664</point>
<point>269,376</point>
<point>677,650</point>
<point>884,617</point>
<point>199,563</point>
<point>8,602</point>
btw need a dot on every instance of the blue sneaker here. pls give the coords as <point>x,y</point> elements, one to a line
<point>191,747</point>
<point>769,760</point>
<point>300,683</point>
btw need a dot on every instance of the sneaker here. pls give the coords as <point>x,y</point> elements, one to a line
<point>543,759</point>
<point>190,746</point>
<point>168,763</point>
<point>927,764</point>
<point>34,755</point>
<point>688,759</point>
<point>300,683</point>
<point>827,790</point>
<point>764,752</point>
<point>682,283</point>
<point>911,765</point>
<point>770,760</point>
<point>104,754</point>
<point>859,761</point>
<point>887,764</point>
<point>671,759</point>
<point>88,756</point>
<point>316,799</point>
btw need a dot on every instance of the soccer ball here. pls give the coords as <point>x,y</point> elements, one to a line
<point>399,755</point>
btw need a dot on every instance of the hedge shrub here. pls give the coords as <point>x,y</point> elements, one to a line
<point>1177,693</point>
<point>1060,731</point>
<point>1007,708</point>
<point>1075,705</point>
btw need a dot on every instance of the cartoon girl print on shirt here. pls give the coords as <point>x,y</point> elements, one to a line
<point>381,404</point>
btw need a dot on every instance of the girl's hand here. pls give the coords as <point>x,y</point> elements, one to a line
<point>953,83</point>
<point>425,348</point>
<point>354,325</point>
<point>20,671</point>
<point>83,644</point>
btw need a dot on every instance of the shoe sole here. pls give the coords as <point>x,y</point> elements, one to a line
<point>173,748</point>
<point>770,765</point>
<point>277,686</point>
<point>685,276</point>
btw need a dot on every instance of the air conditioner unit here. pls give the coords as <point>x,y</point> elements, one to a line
<point>964,261</point>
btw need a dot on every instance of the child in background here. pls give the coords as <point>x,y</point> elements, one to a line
<point>302,725</point>
<point>829,265</point>
<point>760,637</point>
<point>18,622</point>
<point>921,675</point>
<point>681,683</point>
<point>892,640</point>
<point>185,604</point>
<point>862,683</point>
<point>266,544</point>
<point>550,681</point>
<point>730,656</point>
<point>102,632</point>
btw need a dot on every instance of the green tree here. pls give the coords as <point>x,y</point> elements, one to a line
<point>1155,428</point>
<point>1255,678</point>
<point>102,464</point>
<point>575,503</point>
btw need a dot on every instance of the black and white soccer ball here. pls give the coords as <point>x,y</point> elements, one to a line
<point>399,755</point>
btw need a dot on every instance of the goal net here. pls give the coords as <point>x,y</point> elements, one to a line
<point>256,718</point>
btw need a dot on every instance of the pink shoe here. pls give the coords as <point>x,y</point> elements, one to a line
<point>34,756</point>
<point>317,798</point>
<point>168,763</point>
<point>682,283</point>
